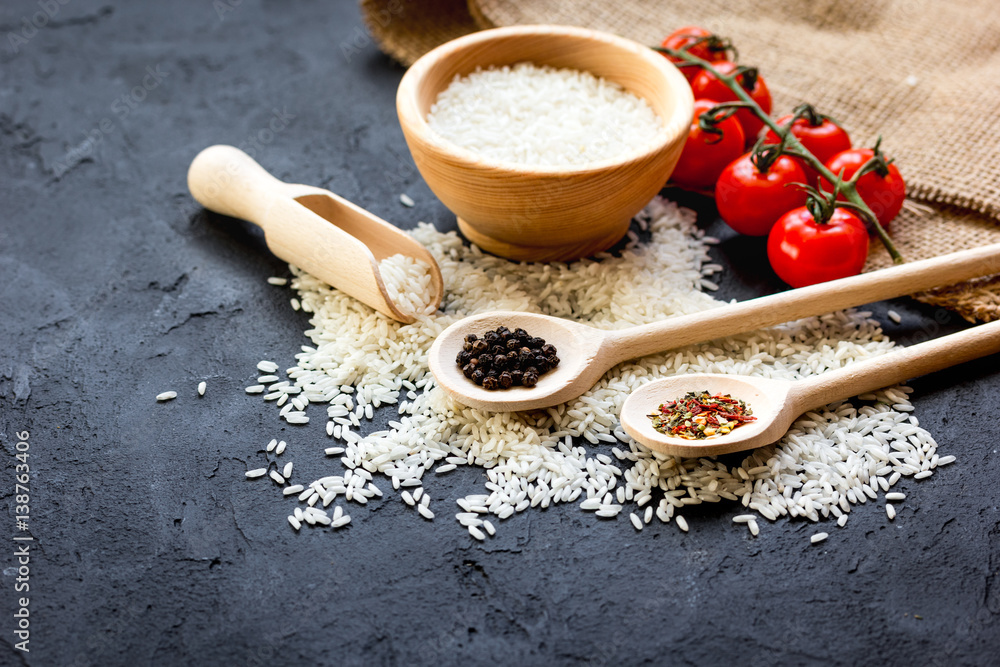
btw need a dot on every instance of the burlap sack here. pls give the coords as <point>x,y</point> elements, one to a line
<point>924,74</point>
<point>407,29</point>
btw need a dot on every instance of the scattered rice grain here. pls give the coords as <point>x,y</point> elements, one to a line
<point>359,360</point>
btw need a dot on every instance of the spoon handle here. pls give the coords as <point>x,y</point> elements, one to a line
<point>226,180</point>
<point>895,367</point>
<point>803,302</point>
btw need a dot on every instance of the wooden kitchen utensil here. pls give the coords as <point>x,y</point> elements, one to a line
<point>586,353</point>
<point>314,229</point>
<point>776,403</point>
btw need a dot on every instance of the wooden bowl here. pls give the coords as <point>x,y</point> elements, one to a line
<point>545,213</point>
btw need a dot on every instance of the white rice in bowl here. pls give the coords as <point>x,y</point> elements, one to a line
<point>543,116</point>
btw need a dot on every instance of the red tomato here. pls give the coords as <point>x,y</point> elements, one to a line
<point>823,139</point>
<point>705,154</point>
<point>706,85</point>
<point>690,34</point>
<point>751,202</point>
<point>884,194</point>
<point>803,252</point>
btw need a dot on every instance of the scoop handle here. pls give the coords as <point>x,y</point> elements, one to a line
<point>804,302</point>
<point>895,367</point>
<point>226,180</point>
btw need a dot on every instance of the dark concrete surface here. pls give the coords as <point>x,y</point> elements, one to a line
<point>149,548</point>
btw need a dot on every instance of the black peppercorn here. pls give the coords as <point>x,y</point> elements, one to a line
<point>502,358</point>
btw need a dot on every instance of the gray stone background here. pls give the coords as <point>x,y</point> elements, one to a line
<point>149,546</point>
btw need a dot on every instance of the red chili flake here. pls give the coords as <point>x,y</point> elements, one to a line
<point>699,414</point>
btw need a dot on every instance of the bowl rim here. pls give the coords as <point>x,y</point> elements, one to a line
<point>674,127</point>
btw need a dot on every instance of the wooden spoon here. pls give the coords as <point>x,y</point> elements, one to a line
<point>776,403</point>
<point>586,353</point>
<point>314,229</point>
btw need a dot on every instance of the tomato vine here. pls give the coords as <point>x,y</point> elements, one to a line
<point>790,144</point>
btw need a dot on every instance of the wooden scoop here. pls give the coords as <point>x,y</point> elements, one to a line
<point>314,229</point>
<point>776,403</point>
<point>586,353</point>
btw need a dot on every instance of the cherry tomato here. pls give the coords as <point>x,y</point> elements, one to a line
<point>884,193</point>
<point>705,154</point>
<point>803,252</point>
<point>751,202</point>
<point>820,136</point>
<point>706,85</point>
<point>689,34</point>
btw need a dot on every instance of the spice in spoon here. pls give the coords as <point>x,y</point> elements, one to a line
<point>699,415</point>
<point>501,358</point>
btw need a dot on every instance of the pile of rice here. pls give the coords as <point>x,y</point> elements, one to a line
<point>408,283</point>
<point>361,361</point>
<point>533,115</point>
